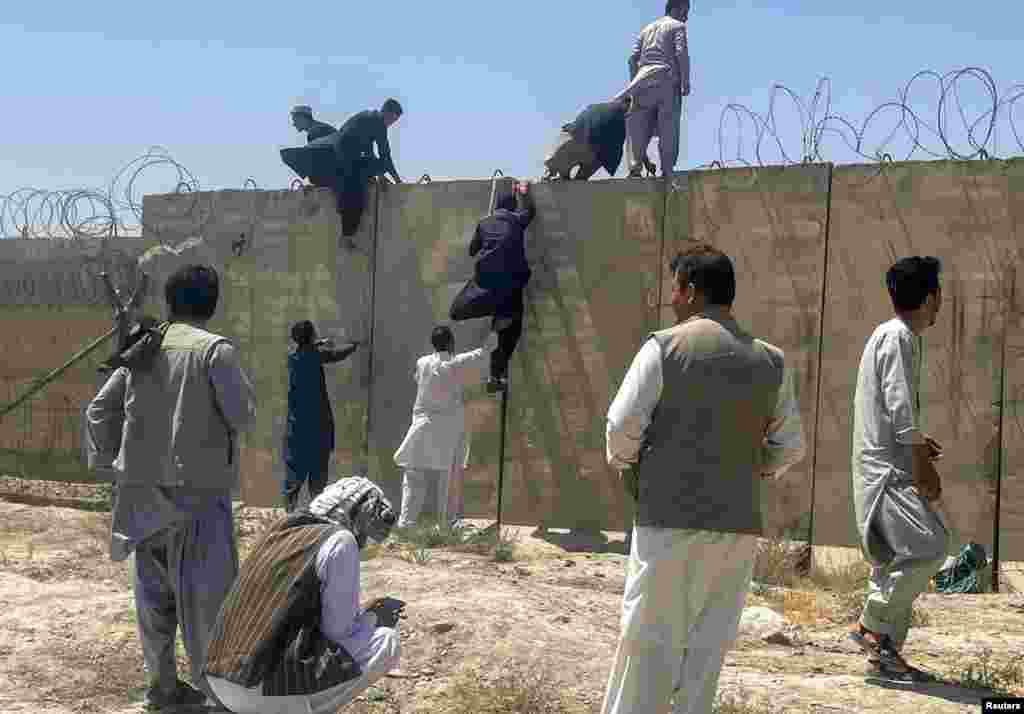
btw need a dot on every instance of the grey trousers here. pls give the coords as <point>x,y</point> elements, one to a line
<point>417,484</point>
<point>920,540</point>
<point>656,107</point>
<point>182,575</point>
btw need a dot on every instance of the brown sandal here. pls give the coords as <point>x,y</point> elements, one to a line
<point>879,650</point>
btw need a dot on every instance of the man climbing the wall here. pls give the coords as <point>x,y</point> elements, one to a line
<point>705,412</point>
<point>896,487</point>
<point>168,425</point>
<point>345,162</point>
<point>591,141</point>
<point>309,435</point>
<point>436,436</point>
<point>292,637</point>
<point>500,275</point>
<point>659,71</point>
<point>303,121</point>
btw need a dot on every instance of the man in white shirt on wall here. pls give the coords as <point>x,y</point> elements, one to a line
<point>705,412</point>
<point>436,437</point>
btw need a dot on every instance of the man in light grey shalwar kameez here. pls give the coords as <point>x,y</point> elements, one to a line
<point>896,488</point>
<point>659,70</point>
<point>168,429</point>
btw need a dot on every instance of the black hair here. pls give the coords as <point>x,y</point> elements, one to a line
<point>441,338</point>
<point>911,280</point>
<point>192,292</point>
<point>671,5</point>
<point>391,106</point>
<point>710,271</point>
<point>302,333</point>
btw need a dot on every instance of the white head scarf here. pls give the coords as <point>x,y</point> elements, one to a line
<point>359,505</point>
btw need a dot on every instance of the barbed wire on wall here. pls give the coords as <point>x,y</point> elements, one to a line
<point>925,135</point>
<point>86,213</point>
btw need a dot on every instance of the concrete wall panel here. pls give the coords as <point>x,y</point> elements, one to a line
<point>1011,520</point>
<point>959,213</point>
<point>594,251</point>
<point>771,222</point>
<point>53,304</point>
<point>290,267</point>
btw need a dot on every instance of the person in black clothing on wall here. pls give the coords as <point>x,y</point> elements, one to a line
<point>302,120</point>
<point>345,162</point>
<point>500,275</point>
<point>593,140</point>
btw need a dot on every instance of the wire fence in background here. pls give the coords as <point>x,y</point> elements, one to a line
<point>929,118</point>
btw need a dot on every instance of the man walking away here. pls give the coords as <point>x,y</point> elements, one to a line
<point>169,429</point>
<point>705,412</point>
<point>591,141</point>
<point>309,436</point>
<point>896,487</point>
<point>291,637</point>
<point>659,70</point>
<point>500,276</point>
<point>436,436</point>
<point>302,120</point>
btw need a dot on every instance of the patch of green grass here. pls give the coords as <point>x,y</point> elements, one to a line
<point>517,690</point>
<point>983,672</point>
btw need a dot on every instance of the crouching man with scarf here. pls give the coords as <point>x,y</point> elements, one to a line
<point>291,636</point>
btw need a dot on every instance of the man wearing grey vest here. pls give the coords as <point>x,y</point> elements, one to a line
<point>168,428</point>
<point>705,412</point>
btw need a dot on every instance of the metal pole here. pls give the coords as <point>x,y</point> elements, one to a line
<point>1012,277</point>
<point>501,450</point>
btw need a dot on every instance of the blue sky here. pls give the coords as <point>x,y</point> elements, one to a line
<point>89,86</point>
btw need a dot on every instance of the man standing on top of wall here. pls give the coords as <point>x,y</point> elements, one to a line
<point>705,412</point>
<point>659,71</point>
<point>168,425</point>
<point>302,120</point>
<point>896,487</point>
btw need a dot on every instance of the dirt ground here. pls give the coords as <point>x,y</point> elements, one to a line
<point>68,642</point>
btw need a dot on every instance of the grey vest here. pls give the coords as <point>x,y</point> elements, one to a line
<point>700,465</point>
<point>174,433</point>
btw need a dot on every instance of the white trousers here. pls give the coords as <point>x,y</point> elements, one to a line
<point>379,656</point>
<point>416,485</point>
<point>684,595</point>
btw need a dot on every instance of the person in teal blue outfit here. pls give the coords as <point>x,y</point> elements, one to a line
<point>309,435</point>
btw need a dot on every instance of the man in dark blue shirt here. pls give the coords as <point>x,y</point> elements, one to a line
<point>302,120</point>
<point>500,275</point>
<point>309,436</point>
<point>591,141</point>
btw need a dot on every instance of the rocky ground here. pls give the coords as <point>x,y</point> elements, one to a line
<point>540,628</point>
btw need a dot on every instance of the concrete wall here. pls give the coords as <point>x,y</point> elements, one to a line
<point>810,243</point>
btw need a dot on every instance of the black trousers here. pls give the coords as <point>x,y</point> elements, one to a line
<point>505,307</point>
<point>508,338</point>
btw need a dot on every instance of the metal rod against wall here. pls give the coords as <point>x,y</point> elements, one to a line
<point>821,351</point>
<point>373,303</point>
<point>501,450</point>
<point>42,383</point>
<point>1011,274</point>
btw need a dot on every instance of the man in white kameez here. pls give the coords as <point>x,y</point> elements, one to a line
<point>291,637</point>
<point>659,71</point>
<point>896,487</point>
<point>435,440</point>
<point>705,412</point>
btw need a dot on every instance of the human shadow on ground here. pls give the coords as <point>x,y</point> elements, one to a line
<point>576,541</point>
<point>948,690</point>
